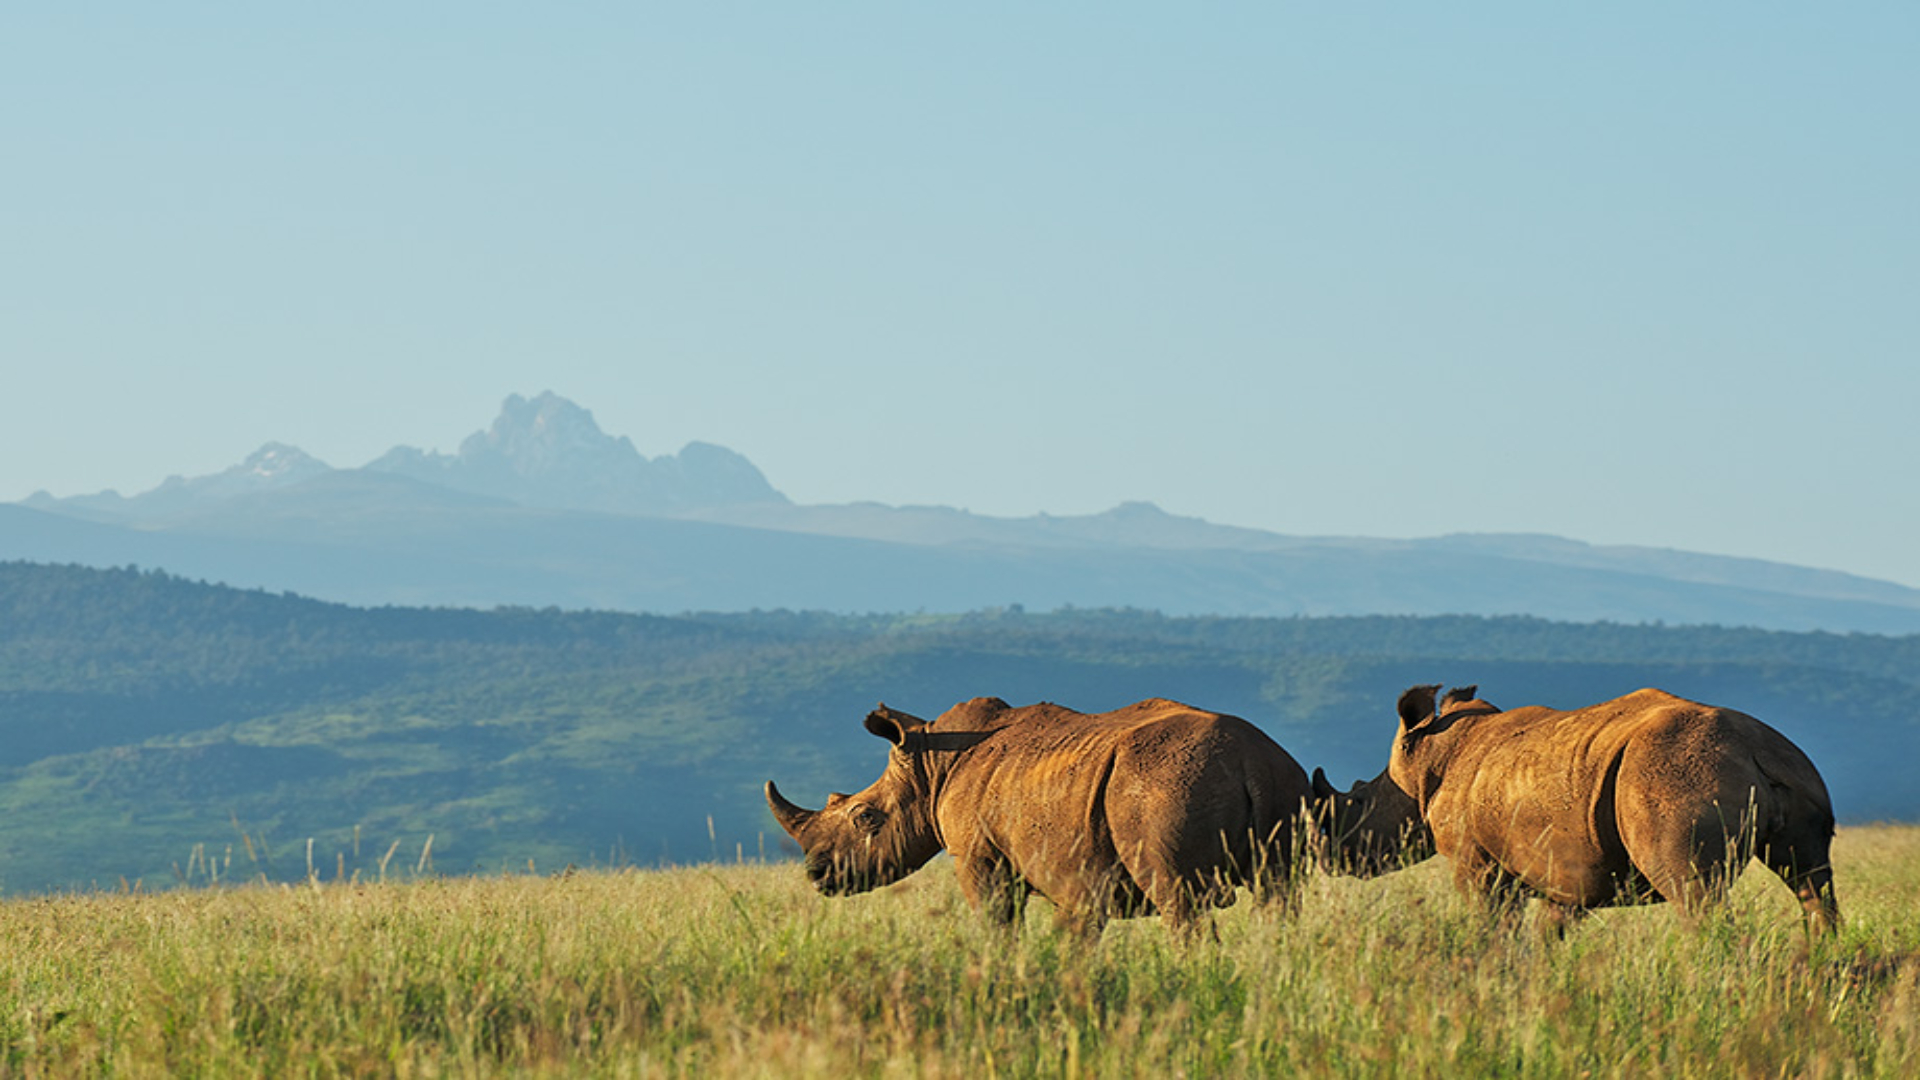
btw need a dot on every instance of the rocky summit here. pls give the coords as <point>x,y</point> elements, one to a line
<point>549,452</point>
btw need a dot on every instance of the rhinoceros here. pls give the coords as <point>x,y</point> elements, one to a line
<point>1155,807</point>
<point>1645,798</point>
<point>1370,829</point>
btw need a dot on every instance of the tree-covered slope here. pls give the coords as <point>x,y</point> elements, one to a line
<point>156,729</point>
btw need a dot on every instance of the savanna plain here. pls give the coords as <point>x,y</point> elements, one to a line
<point>742,970</point>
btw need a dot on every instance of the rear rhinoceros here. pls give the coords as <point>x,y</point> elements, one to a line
<point>1645,798</point>
<point>1156,807</point>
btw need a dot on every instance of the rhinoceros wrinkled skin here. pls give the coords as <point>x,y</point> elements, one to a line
<point>1156,807</point>
<point>1645,798</point>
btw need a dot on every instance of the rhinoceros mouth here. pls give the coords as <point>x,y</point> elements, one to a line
<point>833,879</point>
<point>820,874</point>
<point>1369,854</point>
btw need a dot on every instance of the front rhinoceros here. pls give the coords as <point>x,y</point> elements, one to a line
<point>1156,807</point>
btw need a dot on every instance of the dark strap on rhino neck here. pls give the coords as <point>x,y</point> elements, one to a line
<point>914,745</point>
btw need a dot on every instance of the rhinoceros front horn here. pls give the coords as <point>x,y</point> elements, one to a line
<point>789,816</point>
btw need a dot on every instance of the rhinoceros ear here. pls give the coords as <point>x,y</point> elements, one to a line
<point>893,725</point>
<point>1321,788</point>
<point>1417,704</point>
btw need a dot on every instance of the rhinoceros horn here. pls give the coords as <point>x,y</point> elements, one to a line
<point>789,816</point>
<point>1322,789</point>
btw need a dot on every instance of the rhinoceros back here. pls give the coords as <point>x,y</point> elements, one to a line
<point>1139,798</point>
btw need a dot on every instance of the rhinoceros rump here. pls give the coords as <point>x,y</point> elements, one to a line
<point>1156,807</point>
<point>1645,798</point>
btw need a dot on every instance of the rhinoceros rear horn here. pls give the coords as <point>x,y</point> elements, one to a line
<point>892,724</point>
<point>789,816</point>
<point>1417,704</point>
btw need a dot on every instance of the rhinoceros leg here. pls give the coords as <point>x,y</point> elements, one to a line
<point>1479,875</point>
<point>1271,877</point>
<point>1815,891</point>
<point>1096,891</point>
<point>992,887</point>
<point>1802,862</point>
<point>1557,917</point>
<point>1155,875</point>
<point>1690,863</point>
<point>1083,923</point>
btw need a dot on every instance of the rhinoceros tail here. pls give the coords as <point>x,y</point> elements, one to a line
<point>1794,836</point>
<point>1276,822</point>
<point>1797,794</point>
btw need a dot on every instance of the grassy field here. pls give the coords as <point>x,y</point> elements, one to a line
<point>742,971</point>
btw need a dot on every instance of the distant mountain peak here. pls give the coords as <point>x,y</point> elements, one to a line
<point>545,435</point>
<point>1137,508</point>
<point>547,414</point>
<point>547,451</point>
<point>277,461</point>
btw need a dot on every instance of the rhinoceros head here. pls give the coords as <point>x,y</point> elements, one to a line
<point>1370,829</point>
<point>1419,748</point>
<point>877,836</point>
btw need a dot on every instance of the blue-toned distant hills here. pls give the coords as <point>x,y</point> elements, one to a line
<point>545,509</point>
<point>161,729</point>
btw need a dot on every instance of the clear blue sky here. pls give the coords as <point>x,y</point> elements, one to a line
<point>1640,274</point>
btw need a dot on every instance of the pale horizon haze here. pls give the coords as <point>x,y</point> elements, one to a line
<point>1630,274</point>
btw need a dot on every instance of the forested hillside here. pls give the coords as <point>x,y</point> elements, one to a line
<point>160,730</point>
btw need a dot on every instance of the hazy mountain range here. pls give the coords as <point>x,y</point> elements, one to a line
<point>545,509</point>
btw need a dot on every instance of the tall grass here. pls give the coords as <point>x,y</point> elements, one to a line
<point>741,970</point>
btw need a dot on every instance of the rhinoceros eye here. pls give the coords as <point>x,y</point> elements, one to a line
<point>867,817</point>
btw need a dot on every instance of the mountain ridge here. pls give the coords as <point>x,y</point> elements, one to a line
<point>545,508</point>
<point>543,451</point>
